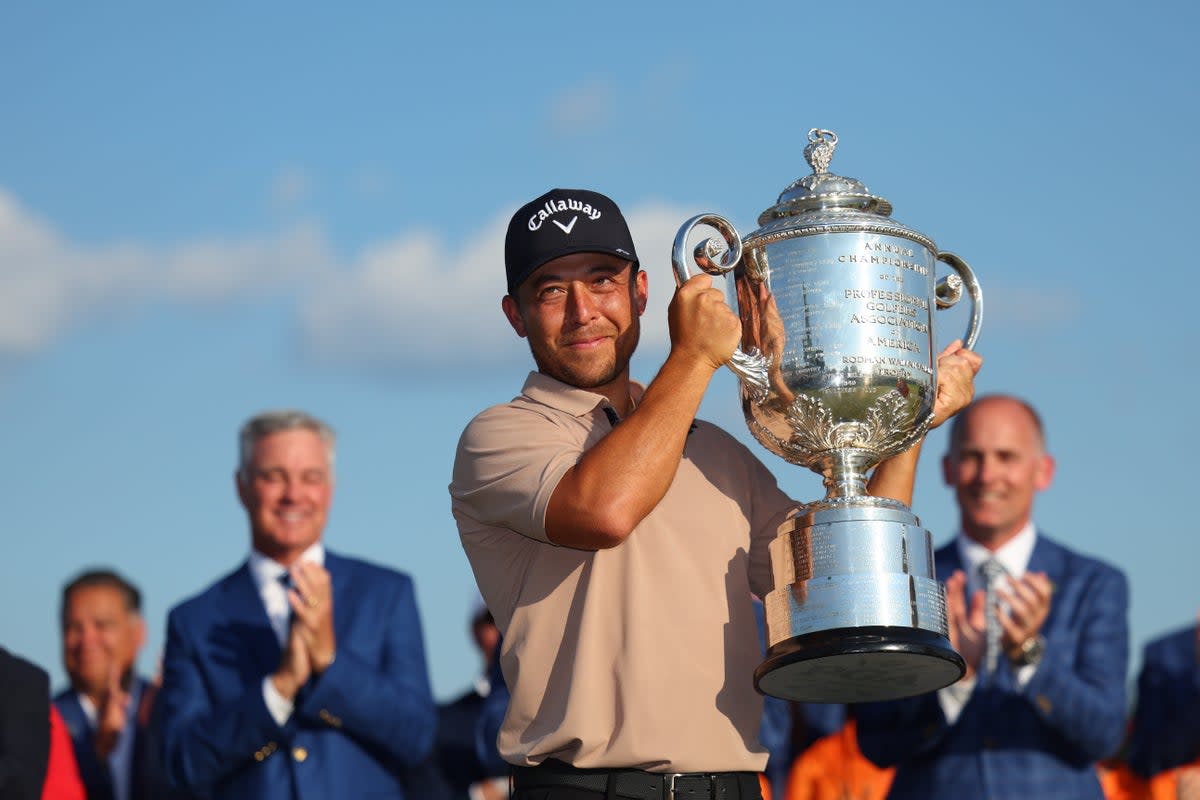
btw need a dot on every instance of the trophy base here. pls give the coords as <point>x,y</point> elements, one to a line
<point>858,665</point>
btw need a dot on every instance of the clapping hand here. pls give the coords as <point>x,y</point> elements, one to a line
<point>1028,604</point>
<point>112,714</point>
<point>311,643</point>
<point>967,622</point>
<point>311,598</point>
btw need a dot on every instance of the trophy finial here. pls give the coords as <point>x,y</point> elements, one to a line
<point>819,151</point>
<point>822,189</point>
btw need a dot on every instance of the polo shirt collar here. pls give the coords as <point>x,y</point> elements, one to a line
<point>570,399</point>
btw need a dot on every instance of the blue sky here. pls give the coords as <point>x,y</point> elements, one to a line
<point>210,210</point>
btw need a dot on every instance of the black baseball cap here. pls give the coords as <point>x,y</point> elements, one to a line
<point>561,222</point>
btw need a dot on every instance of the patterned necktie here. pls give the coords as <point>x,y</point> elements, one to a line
<point>992,570</point>
<point>285,580</point>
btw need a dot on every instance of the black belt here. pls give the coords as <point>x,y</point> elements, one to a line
<point>639,784</point>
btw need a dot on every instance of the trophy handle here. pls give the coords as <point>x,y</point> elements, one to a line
<point>708,249</point>
<point>949,291</point>
<point>750,367</point>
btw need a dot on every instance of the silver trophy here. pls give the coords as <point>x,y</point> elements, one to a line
<point>837,372</point>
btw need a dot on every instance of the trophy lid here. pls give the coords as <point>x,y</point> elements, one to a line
<point>823,189</point>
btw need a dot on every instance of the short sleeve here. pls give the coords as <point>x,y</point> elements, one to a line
<point>508,464</point>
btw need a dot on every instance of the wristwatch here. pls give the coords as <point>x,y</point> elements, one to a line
<point>1030,652</point>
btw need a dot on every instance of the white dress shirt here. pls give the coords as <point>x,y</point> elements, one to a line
<point>1014,556</point>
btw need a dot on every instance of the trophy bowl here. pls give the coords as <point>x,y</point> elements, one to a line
<point>837,372</point>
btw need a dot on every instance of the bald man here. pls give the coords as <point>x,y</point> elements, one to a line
<point>1044,694</point>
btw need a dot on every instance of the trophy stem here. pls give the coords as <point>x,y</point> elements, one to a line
<point>845,472</point>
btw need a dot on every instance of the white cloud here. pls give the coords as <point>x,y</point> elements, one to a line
<point>49,286</point>
<point>412,301</point>
<point>415,301</point>
<point>218,271</point>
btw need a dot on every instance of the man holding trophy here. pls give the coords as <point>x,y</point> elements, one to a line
<point>616,538</point>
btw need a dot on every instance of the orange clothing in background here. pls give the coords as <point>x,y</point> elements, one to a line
<point>1165,785</point>
<point>62,773</point>
<point>1119,782</point>
<point>833,768</point>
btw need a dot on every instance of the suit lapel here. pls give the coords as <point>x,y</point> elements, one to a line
<point>339,575</point>
<point>92,772</point>
<point>243,607</point>
<point>1047,558</point>
<point>947,560</point>
<point>72,714</point>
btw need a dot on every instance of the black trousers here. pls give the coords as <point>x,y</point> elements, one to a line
<point>745,788</point>
<point>571,793</point>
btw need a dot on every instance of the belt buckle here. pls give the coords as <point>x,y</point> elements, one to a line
<point>712,784</point>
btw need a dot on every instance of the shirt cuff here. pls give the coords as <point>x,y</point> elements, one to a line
<point>278,706</point>
<point>1024,675</point>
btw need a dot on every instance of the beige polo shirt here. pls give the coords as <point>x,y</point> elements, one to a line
<point>638,656</point>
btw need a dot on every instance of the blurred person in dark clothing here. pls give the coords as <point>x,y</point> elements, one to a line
<point>24,728</point>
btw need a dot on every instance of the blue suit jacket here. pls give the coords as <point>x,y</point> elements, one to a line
<point>355,728</point>
<point>1166,729</point>
<point>96,775</point>
<point>1039,741</point>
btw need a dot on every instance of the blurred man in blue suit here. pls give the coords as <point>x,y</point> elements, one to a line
<point>1166,730</point>
<point>1031,720</point>
<point>302,673</point>
<point>108,705</point>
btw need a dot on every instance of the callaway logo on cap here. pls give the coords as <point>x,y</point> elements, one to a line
<point>559,223</point>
